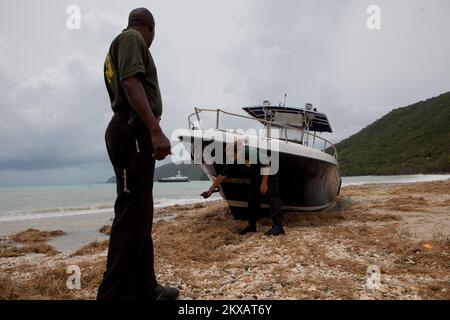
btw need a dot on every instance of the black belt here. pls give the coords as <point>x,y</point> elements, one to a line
<point>123,115</point>
<point>129,118</point>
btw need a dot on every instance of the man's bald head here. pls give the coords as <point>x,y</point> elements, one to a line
<point>142,20</point>
<point>141,17</point>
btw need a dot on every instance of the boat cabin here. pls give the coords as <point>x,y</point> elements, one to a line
<point>294,122</point>
<point>307,118</point>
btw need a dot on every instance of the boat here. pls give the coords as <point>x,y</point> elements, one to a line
<point>310,179</point>
<point>177,178</point>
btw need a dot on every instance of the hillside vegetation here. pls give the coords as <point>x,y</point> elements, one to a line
<point>409,140</point>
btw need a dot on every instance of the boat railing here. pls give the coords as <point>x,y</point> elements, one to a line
<point>306,136</point>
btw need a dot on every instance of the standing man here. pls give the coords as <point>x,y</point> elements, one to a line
<point>134,141</point>
<point>262,185</point>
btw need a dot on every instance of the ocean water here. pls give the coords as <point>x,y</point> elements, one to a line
<point>27,203</point>
<point>34,202</point>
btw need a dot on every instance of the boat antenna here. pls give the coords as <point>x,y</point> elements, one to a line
<point>285,96</point>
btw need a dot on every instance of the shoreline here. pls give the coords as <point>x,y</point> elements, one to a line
<point>403,228</point>
<point>103,208</point>
<point>80,230</point>
<point>83,229</point>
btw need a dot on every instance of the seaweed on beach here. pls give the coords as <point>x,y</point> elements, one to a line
<point>33,236</point>
<point>106,229</point>
<point>92,248</point>
<point>14,251</point>
<point>322,256</point>
<point>29,241</point>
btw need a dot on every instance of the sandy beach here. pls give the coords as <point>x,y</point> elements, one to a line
<point>403,229</point>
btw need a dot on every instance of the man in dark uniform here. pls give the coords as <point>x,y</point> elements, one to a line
<point>262,185</point>
<point>134,141</point>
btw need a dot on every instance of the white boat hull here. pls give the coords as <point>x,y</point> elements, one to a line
<point>309,178</point>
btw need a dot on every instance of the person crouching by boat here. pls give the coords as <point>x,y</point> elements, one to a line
<point>262,186</point>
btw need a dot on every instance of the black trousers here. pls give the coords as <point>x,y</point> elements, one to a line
<point>272,197</point>
<point>129,270</point>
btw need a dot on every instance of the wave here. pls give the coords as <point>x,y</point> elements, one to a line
<point>355,181</point>
<point>55,212</point>
<point>161,203</point>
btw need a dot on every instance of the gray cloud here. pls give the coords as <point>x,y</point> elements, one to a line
<point>54,119</point>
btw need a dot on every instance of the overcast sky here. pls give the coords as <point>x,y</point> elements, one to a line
<point>214,53</point>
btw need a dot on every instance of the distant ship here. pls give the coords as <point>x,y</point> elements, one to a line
<point>177,178</point>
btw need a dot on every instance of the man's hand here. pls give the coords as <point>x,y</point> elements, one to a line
<point>263,188</point>
<point>214,187</point>
<point>161,145</point>
<point>207,194</point>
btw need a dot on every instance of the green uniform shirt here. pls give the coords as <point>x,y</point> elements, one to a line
<point>129,56</point>
<point>251,155</point>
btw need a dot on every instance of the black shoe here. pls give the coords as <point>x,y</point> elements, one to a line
<point>166,293</point>
<point>275,231</point>
<point>247,229</point>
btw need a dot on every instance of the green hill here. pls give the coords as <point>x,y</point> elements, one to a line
<point>409,140</point>
<point>193,172</point>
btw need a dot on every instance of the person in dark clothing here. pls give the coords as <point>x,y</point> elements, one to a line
<point>272,195</point>
<point>134,140</point>
<point>262,185</point>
